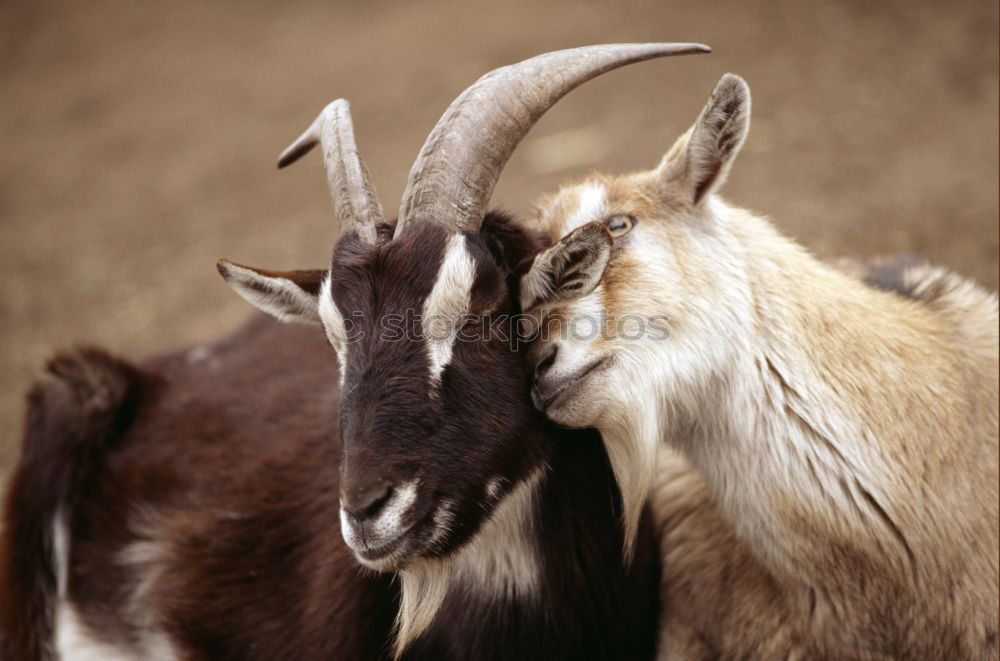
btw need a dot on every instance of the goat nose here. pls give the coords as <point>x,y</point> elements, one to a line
<point>364,501</point>
<point>545,359</point>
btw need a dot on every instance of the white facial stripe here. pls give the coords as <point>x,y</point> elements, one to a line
<point>592,206</point>
<point>329,315</point>
<point>276,296</point>
<point>447,304</point>
<point>333,325</point>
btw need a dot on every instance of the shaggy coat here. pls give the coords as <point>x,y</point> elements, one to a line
<point>831,488</point>
<point>188,508</point>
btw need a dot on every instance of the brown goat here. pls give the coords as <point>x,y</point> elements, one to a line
<point>197,506</point>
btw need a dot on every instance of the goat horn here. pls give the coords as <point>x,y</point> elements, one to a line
<point>453,177</point>
<point>355,202</point>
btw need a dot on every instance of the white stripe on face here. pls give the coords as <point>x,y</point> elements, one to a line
<point>448,304</point>
<point>333,325</point>
<point>592,206</point>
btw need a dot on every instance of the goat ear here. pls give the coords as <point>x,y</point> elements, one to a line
<point>699,161</point>
<point>569,269</point>
<point>287,295</point>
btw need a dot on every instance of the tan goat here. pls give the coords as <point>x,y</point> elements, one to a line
<point>831,487</point>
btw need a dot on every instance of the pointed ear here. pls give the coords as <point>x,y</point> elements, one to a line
<point>700,159</point>
<point>569,269</point>
<point>287,295</point>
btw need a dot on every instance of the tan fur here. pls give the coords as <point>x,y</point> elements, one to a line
<point>706,571</point>
<point>838,492</point>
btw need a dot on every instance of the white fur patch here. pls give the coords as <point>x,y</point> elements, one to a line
<point>632,441</point>
<point>60,552</point>
<point>74,641</point>
<point>448,304</point>
<point>592,206</point>
<point>146,560</point>
<point>493,488</point>
<point>333,325</point>
<point>501,558</point>
<point>499,561</point>
<point>400,503</point>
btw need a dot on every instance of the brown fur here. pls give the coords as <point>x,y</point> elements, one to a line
<point>188,507</point>
<point>186,510</point>
<point>79,411</point>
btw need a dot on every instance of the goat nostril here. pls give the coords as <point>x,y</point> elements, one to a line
<point>545,363</point>
<point>378,502</point>
<point>369,502</point>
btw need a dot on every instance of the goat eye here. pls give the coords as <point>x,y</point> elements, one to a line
<point>620,224</point>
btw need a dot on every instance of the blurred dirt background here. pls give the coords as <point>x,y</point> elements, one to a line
<point>139,139</point>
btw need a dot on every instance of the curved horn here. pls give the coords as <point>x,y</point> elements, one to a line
<point>355,203</point>
<point>453,177</point>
